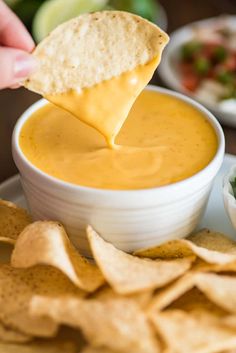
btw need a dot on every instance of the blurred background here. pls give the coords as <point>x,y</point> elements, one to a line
<point>41,16</point>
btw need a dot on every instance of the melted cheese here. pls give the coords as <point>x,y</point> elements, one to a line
<point>106,105</point>
<point>163,140</point>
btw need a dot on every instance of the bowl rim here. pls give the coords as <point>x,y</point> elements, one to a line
<point>26,164</point>
<point>178,37</point>
<point>227,188</point>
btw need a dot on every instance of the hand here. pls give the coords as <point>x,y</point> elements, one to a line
<point>16,44</point>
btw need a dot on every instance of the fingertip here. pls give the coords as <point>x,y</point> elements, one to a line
<point>29,44</point>
<point>15,86</point>
<point>24,65</point>
<point>13,33</point>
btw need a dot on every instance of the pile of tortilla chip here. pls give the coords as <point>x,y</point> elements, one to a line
<point>173,298</point>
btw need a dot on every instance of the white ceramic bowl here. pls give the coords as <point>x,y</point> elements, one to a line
<point>229,199</point>
<point>130,219</point>
<point>170,74</point>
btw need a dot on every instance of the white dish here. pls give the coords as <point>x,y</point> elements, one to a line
<point>229,198</point>
<point>130,219</point>
<point>169,72</point>
<point>214,217</point>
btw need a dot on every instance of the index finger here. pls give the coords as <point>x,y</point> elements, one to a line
<point>12,31</point>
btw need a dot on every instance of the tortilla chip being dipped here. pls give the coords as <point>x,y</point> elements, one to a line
<point>96,60</point>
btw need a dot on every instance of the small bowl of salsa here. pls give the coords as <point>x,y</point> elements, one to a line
<point>200,61</point>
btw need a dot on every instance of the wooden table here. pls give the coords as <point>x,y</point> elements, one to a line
<point>14,102</point>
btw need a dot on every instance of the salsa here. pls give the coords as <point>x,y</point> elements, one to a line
<point>210,57</point>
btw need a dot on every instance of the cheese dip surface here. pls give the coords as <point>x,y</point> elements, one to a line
<point>163,140</point>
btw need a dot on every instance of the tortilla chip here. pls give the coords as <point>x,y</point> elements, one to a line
<point>218,288</point>
<point>84,52</point>
<point>214,241</point>
<point>90,349</point>
<point>195,332</point>
<point>7,240</point>
<point>40,346</point>
<point>18,286</point>
<point>116,324</point>
<point>7,334</point>
<point>168,295</point>
<point>210,246</point>
<point>128,274</point>
<point>195,300</point>
<point>5,252</point>
<point>70,56</point>
<point>219,248</point>
<point>203,266</point>
<point>13,220</point>
<point>229,320</point>
<point>178,248</point>
<point>47,243</point>
<point>141,298</point>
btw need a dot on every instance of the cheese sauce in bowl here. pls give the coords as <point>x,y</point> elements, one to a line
<point>163,140</point>
<point>151,187</point>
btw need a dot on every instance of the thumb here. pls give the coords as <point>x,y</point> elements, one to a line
<point>15,66</point>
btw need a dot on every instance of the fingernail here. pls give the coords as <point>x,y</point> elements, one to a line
<point>24,65</point>
<point>17,85</point>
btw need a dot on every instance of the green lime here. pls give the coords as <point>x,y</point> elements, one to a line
<point>145,8</point>
<point>54,12</point>
<point>11,2</point>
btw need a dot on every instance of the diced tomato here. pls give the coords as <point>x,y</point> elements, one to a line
<point>186,67</point>
<point>211,73</point>
<point>230,63</point>
<point>190,82</point>
<point>216,69</point>
<point>208,49</point>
